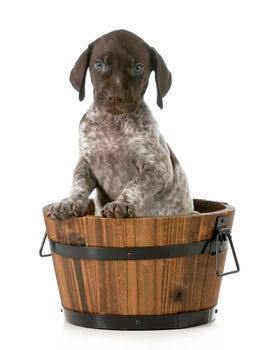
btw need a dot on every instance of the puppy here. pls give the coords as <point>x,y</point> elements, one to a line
<point>122,153</point>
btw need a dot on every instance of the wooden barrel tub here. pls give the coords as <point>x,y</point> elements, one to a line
<point>141,273</point>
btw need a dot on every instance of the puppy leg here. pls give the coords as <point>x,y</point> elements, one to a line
<point>137,191</point>
<point>77,204</point>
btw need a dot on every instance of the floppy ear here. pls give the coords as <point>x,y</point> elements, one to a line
<point>162,76</point>
<point>78,73</point>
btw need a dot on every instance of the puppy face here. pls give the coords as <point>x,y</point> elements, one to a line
<point>120,63</point>
<point>119,69</point>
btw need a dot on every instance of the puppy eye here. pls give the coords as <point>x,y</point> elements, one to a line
<point>99,65</point>
<point>138,68</point>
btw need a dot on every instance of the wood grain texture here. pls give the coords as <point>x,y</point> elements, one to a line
<point>139,287</point>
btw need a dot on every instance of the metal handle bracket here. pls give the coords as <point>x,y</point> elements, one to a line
<point>222,234</point>
<point>42,246</point>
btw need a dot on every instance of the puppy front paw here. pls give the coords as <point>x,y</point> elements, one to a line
<point>118,210</point>
<point>68,207</point>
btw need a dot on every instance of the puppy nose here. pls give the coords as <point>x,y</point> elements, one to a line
<point>115,98</point>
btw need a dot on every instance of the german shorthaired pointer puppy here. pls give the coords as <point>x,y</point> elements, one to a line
<point>122,153</point>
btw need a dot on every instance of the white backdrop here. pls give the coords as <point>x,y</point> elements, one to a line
<point>212,119</point>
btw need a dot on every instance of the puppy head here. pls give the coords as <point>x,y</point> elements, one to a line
<point>120,64</point>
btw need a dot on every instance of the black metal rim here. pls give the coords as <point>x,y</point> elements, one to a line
<point>135,253</point>
<point>146,322</point>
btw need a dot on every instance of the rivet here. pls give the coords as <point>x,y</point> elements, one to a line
<point>138,322</point>
<point>130,254</point>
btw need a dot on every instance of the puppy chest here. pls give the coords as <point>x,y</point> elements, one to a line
<point>110,158</point>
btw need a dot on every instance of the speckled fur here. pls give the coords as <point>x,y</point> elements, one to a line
<point>124,156</point>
